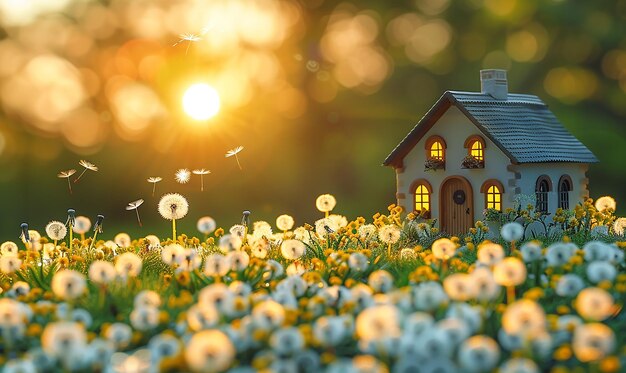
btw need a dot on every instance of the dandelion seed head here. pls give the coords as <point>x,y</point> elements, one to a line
<point>605,203</point>
<point>173,206</point>
<point>594,304</point>
<point>206,225</point>
<point>512,231</point>
<point>56,230</point>
<point>209,351</point>
<point>201,171</point>
<point>593,341</point>
<point>619,226</point>
<point>135,204</point>
<point>82,225</point>
<point>182,176</point>
<point>154,179</point>
<point>88,165</point>
<point>443,248</point>
<point>101,272</point>
<point>8,248</point>
<point>66,174</point>
<point>234,151</point>
<point>68,284</point>
<point>389,234</point>
<point>325,202</point>
<point>292,249</point>
<point>284,222</point>
<point>509,272</point>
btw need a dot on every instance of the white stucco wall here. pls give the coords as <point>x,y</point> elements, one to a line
<point>529,173</point>
<point>454,127</point>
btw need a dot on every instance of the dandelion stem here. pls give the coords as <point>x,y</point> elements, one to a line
<point>93,241</point>
<point>238,164</point>
<point>55,244</point>
<point>153,188</point>
<point>201,183</point>
<point>79,176</point>
<point>174,230</point>
<point>326,214</point>
<point>138,220</point>
<point>69,185</point>
<point>389,250</point>
<point>510,294</point>
<point>82,237</point>
<point>71,235</point>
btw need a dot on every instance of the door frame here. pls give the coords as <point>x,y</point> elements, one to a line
<point>468,186</point>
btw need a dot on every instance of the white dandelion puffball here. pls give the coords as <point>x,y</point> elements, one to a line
<point>128,265</point>
<point>82,225</point>
<point>490,253</point>
<point>594,304</point>
<point>519,365</point>
<point>63,337</point>
<point>593,341</point>
<point>378,322</point>
<point>68,284</point>
<point>8,248</point>
<point>102,272</point>
<point>209,351</point>
<point>619,226</point>
<point>479,354</point>
<point>284,222</point>
<point>325,226</point>
<point>206,225</point>
<point>512,231</point>
<point>229,242</point>
<point>325,202</point>
<point>460,286</point>
<point>56,230</point>
<point>10,264</point>
<point>510,272</point>
<point>443,248</point>
<point>389,234</point>
<point>292,249</point>
<point>122,240</point>
<point>531,251</point>
<point>524,317</point>
<point>605,203</point>
<point>173,206</point>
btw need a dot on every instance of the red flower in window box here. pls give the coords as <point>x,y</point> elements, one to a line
<point>471,162</point>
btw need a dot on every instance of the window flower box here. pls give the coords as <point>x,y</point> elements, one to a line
<point>432,164</point>
<point>472,162</point>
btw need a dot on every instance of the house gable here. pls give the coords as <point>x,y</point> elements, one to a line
<point>522,127</point>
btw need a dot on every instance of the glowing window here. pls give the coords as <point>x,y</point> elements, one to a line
<point>422,198</point>
<point>494,198</point>
<point>493,191</point>
<point>476,150</point>
<point>436,150</point>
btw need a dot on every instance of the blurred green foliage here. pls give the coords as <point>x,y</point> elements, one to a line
<point>570,53</point>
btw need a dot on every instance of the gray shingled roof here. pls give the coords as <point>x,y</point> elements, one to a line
<point>522,126</point>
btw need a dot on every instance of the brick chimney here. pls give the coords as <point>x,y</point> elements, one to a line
<point>493,82</point>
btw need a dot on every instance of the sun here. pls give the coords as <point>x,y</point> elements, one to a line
<point>201,101</point>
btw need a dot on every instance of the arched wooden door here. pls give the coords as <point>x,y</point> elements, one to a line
<point>456,205</point>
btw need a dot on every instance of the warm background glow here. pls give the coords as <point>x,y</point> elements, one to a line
<point>318,92</point>
<point>201,101</point>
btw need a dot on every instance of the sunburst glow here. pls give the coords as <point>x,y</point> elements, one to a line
<point>201,101</point>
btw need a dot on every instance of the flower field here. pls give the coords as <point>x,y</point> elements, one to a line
<point>387,294</point>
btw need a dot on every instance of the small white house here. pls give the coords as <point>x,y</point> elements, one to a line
<point>474,151</point>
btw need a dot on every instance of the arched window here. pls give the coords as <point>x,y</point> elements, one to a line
<point>542,188</point>
<point>476,147</point>
<point>436,148</point>
<point>493,191</point>
<point>421,192</point>
<point>565,186</point>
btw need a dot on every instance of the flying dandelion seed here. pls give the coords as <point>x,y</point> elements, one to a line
<point>182,176</point>
<point>87,166</point>
<point>135,206</point>
<point>154,180</point>
<point>234,152</point>
<point>187,37</point>
<point>66,175</point>
<point>201,172</point>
